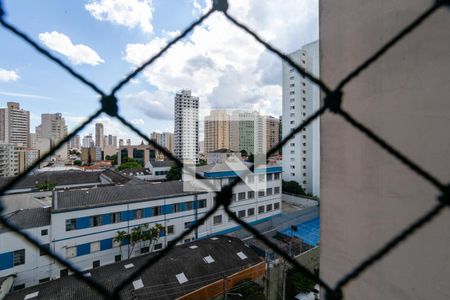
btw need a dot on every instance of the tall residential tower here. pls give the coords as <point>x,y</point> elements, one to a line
<point>300,99</point>
<point>15,125</point>
<point>186,126</point>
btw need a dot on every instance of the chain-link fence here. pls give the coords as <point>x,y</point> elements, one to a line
<point>331,103</point>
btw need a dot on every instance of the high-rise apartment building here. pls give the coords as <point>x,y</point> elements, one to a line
<point>164,139</point>
<point>74,143</point>
<point>99,135</point>
<point>217,131</point>
<point>186,126</point>
<point>300,99</point>
<point>87,141</point>
<point>248,132</point>
<point>272,132</point>
<point>15,125</point>
<point>120,142</point>
<point>53,127</point>
<point>9,160</point>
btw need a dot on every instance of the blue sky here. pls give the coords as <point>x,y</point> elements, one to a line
<point>105,39</point>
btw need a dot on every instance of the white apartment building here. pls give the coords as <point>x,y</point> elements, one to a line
<point>15,125</point>
<point>9,160</point>
<point>88,141</point>
<point>186,126</point>
<point>301,155</point>
<point>82,224</point>
<point>75,142</point>
<point>53,127</point>
<point>164,139</point>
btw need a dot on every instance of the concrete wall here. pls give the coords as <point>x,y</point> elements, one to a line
<point>299,200</point>
<point>367,196</point>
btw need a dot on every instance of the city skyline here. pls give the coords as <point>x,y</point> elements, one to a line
<point>147,102</point>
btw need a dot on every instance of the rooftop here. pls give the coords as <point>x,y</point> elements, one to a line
<point>223,150</point>
<point>136,171</point>
<point>29,218</point>
<point>184,269</point>
<point>162,163</point>
<point>111,195</point>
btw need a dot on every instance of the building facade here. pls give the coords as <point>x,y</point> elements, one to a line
<point>164,139</point>
<point>15,125</point>
<point>140,153</point>
<point>99,135</point>
<point>301,98</point>
<point>367,195</point>
<point>88,141</point>
<point>272,132</point>
<point>82,225</point>
<point>75,142</point>
<point>248,132</point>
<point>217,131</point>
<point>53,128</point>
<point>9,160</point>
<point>186,126</point>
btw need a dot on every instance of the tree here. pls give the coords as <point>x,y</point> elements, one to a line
<point>45,186</point>
<point>297,282</point>
<point>174,173</point>
<point>201,162</point>
<point>112,158</point>
<point>155,232</point>
<point>77,162</point>
<point>293,187</point>
<point>120,238</point>
<point>251,158</point>
<point>244,153</point>
<point>135,237</point>
<point>129,165</point>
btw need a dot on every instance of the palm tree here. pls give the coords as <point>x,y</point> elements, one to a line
<point>120,238</point>
<point>154,233</point>
<point>135,237</point>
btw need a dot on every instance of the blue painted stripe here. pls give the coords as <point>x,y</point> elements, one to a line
<point>237,227</point>
<point>147,212</point>
<point>83,249</point>
<point>269,170</point>
<point>84,222</point>
<point>6,260</point>
<point>106,219</point>
<point>167,209</point>
<point>124,216</point>
<point>106,244</point>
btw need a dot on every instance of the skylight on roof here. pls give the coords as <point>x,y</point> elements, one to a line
<point>31,296</point>
<point>214,238</point>
<point>193,247</point>
<point>128,266</point>
<point>241,255</point>
<point>138,284</point>
<point>181,278</point>
<point>208,259</point>
<point>88,274</point>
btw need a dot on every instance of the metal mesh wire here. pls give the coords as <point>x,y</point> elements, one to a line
<point>332,103</point>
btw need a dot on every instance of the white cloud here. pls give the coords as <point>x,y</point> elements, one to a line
<point>224,66</point>
<point>129,13</point>
<point>21,95</point>
<point>77,54</point>
<point>156,105</point>
<point>138,122</point>
<point>7,75</point>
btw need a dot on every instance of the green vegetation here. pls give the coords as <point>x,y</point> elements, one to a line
<point>77,162</point>
<point>297,282</point>
<point>142,235</point>
<point>293,187</point>
<point>201,162</point>
<point>130,164</point>
<point>174,173</point>
<point>46,186</point>
<point>112,158</point>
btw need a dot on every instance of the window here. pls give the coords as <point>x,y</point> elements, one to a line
<point>292,151</point>
<point>269,207</point>
<point>217,219</point>
<point>304,158</point>
<point>95,246</point>
<point>276,190</point>
<point>241,214</point>
<point>96,221</point>
<point>145,250</point>
<point>292,174</point>
<point>292,166</point>
<point>115,217</point>
<point>276,205</point>
<point>117,258</point>
<point>292,85</point>
<point>170,229</point>
<point>304,167</point>
<point>277,176</point>
<point>292,93</point>
<point>250,212</point>
<point>44,280</point>
<point>250,194</point>
<point>269,177</point>
<point>304,181</point>
<point>260,209</point>
<point>158,246</point>
<point>64,272</point>
<point>291,122</point>
<point>156,211</point>
<point>70,224</point>
<point>261,194</point>
<point>292,114</point>
<point>71,252</point>
<point>95,264</point>
<point>250,179</point>
<point>261,177</point>
<point>189,205</point>
<point>44,232</point>
<point>19,257</point>
<point>291,78</point>
<point>269,191</point>
<point>233,197</point>
<point>139,213</point>
<point>292,107</point>
<point>176,207</point>
<point>188,225</point>
<point>46,246</point>
<point>202,203</point>
<point>241,196</point>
